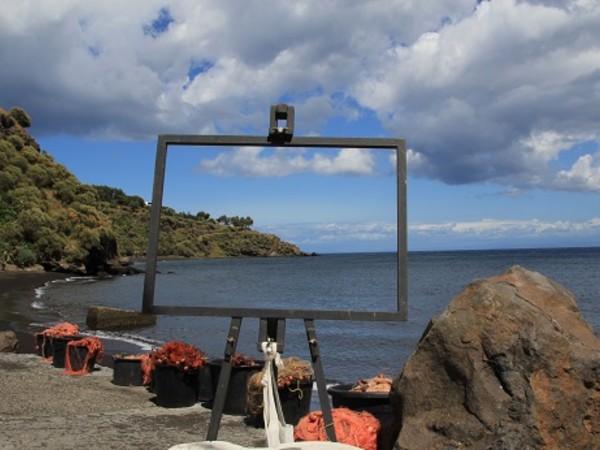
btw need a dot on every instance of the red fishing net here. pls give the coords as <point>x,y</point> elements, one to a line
<point>75,364</point>
<point>241,360</point>
<point>353,428</point>
<point>178,354</point>
<point>64,329</point>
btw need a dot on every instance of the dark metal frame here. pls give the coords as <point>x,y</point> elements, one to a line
<point>272,321</point>
<point>164,141</point>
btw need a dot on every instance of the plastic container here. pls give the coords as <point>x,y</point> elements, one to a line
<point>59,350</point>
<point>295,401</point>
<point>43,345</point>
<point>205,385</point>
<point>376,403</point>
<point>127,371</point>
<point>236,403</point>
<point>174,387</point>
<point>77,359</point>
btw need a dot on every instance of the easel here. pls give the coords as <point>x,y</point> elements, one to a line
<point>272,320</point>
<point>270,329</point>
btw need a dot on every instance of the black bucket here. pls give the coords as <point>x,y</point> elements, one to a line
<point>59,350</point>
<point>205,385</point>
<point>376,403</point>
<point>127,372</point>
<point>295,401</point>
<point>43,345</point>
<point>236,403</point>
<point>174,387</point>
<point>77,358</point>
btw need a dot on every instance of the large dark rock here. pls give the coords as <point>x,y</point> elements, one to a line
<point>510,364</point>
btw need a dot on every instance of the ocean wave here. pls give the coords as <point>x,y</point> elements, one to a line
<point>143,343</point>
<point>41,291</point>
<point>38,304</point>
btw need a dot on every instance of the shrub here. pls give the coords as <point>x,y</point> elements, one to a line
<point>7,211</point>
<point>6,121</point>
<point>21,117</point>
<point>16,141</point>
<point>24,256</point>
<point>8,179</point>
<point>40,176</point>
<point>20,161</point>
<point>30,153</point>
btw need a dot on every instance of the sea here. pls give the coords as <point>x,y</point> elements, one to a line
<point>350,350</point>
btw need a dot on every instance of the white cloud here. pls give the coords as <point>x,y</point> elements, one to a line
<point>496,96</point>
<point>502,229</point>
<point>488,233</point>
<point>260,162</point>
<point>584,175</point>
<point>365,236</point>
<point>483,91</point>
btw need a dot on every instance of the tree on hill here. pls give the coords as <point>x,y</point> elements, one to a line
<point>21,117</point>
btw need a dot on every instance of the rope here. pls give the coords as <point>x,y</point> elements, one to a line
<point>277,431</point>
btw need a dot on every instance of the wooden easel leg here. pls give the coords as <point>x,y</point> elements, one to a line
<point>224,376</point>
<point>313,345</point>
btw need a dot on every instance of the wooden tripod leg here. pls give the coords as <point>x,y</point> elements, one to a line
<point>313,345</point>
<point>224,376</point>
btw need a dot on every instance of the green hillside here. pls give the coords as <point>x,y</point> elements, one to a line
<point>48,217</point>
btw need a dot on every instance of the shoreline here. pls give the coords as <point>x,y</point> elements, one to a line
<point>21,286</point>
<point>43,406</point>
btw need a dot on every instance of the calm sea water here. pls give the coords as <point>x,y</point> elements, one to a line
<point>366,281</point>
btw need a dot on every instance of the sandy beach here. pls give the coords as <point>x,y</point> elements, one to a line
<point>41,407</point>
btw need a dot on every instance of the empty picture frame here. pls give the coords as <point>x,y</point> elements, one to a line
<point>398,312</point>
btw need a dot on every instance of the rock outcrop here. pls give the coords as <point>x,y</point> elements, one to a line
<point>107,318</point>
<point>510,364</point>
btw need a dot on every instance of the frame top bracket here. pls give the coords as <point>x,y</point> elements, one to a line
<point>281,112</point>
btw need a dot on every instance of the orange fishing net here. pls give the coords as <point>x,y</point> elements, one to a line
<point>353,428</point>
<point>146,364</point>
<point>293,372</point>
<point>64,329</point>
<point>380,383</point>
<point>73,363</point>
<point>178,354</point>
<point>241,360</point>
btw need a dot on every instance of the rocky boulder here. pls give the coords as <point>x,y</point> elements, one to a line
<point>510,364</point>
<point>8,342</point>
<point>107,318</point>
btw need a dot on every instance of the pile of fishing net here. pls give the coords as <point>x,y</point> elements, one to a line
<point>290,376</point>
<point>61,330</point>
<point>241,360</point>
<point>359,429</point>
<point>178,354</point>
<point>379,383</point>
<point>94,352</point>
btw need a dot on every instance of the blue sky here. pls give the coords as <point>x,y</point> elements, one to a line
<point>499,103</point>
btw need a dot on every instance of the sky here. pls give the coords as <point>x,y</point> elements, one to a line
<point>498,101</point>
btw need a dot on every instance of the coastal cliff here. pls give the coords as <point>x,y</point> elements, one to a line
<point>49,218</point>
